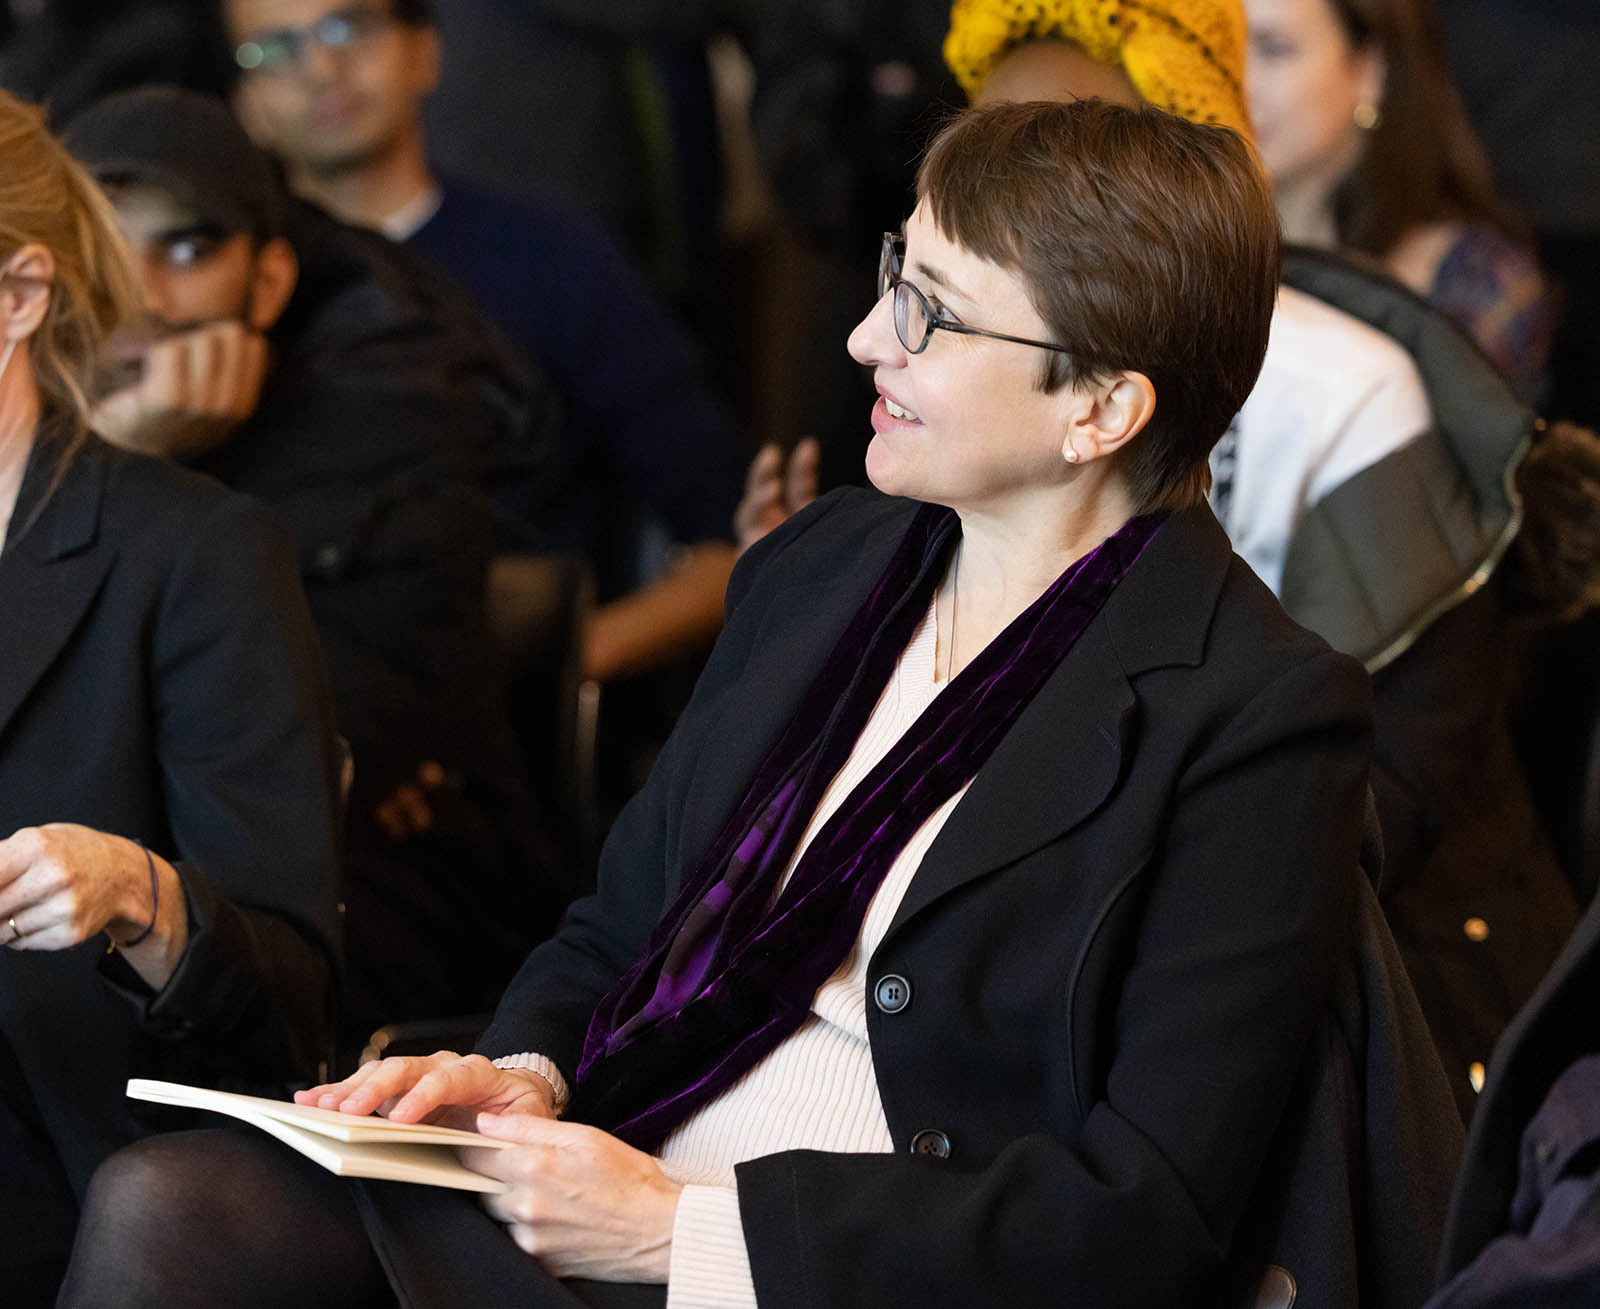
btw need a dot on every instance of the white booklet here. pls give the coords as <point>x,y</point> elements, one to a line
<point>343,1143</point>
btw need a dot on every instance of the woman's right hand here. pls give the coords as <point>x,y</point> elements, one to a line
<point>438,1088</point>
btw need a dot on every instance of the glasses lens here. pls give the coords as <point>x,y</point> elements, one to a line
<point>910,317</point>
<point>270,51</point>
<point>888,266</point>
<point>335,30</point>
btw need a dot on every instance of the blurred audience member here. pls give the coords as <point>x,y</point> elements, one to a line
<point>162,710</point>
<point>1374,512</point>
<point>1369,150</point>
<point>282,353</point>
<point>336,91</point>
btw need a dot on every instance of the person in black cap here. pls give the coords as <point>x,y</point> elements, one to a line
<point>306,363</point>
<point>206,218</point>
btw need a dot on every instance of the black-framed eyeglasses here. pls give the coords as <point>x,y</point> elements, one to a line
<point>914,319</point>
<point>283,49</point>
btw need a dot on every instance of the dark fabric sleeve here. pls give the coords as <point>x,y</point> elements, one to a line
<point>249,774</point>
<point>1240,918</point>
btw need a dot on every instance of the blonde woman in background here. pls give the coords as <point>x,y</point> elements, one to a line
<point>168,771</point>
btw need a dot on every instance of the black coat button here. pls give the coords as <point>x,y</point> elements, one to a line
<point>931,1142</point>
<point>892,993</point>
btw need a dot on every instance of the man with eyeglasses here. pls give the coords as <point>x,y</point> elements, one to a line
<point>336,91</point>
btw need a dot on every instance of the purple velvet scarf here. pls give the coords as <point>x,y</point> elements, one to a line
<point>728,972</point>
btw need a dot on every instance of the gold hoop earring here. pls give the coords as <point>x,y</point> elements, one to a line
<point>1367,115</point>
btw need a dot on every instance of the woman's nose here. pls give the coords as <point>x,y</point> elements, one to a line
<point>873,342</point>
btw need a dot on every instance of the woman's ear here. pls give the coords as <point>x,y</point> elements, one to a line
<point>1111,414</point>
<point>25,292</point>
<point>276,272</point>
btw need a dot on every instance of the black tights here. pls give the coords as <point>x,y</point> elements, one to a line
<point>220,1218</point>
<point>192,1220</point>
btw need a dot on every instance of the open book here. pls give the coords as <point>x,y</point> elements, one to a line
<point>342,1143</point>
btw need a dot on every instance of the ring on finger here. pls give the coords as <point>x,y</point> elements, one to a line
<point>16,932</point>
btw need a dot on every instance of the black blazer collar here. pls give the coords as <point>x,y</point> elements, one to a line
<point>70,519</point>
<point>51,574</point>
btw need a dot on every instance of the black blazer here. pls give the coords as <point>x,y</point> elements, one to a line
<point>1117,948</point>
<point>159,679</point>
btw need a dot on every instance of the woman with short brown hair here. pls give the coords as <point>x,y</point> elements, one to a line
<point>976,919</point>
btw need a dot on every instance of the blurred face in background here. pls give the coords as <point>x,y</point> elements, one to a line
<point>193,274</point>
<point>1305,81</point>
<point>329,86</point>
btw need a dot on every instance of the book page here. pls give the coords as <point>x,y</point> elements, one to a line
<point>325,1122</point>
<point>343,1143</point>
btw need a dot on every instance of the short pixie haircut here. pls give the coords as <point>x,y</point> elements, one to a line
<point>1146,243</point>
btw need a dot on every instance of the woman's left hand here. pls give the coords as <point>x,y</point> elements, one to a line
<point>583,1203</point>
<point>62,883</point>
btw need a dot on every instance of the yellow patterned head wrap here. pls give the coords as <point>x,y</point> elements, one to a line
<point>1187,56</point>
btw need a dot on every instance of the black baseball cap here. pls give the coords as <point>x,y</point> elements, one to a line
<point>188,144</point>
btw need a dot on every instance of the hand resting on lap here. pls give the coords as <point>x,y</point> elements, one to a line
<point>582,1202</point>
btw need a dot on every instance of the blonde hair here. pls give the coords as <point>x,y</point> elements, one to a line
<point>47,199</point>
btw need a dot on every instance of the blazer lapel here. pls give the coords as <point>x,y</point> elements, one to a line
<point>50,577</point>
<point>1055,766</point>
<point>1064,756</point>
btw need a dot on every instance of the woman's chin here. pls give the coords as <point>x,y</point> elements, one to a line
<point>889,464</point>
<point>881,472</point>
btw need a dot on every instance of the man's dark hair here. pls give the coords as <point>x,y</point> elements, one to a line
<point>415,13</point>
<point>1146,242</point>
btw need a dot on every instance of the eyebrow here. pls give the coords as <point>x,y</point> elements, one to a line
<point>939,279</point>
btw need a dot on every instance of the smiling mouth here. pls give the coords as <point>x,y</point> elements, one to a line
<point>895,411</point>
